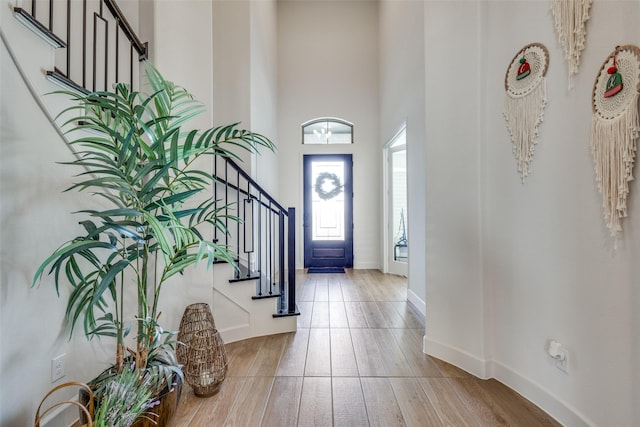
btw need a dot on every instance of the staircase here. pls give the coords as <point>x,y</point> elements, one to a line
<point>93,47</point>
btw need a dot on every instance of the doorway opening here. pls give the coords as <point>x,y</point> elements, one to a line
<point>328,210</point>
<point>396,242</point>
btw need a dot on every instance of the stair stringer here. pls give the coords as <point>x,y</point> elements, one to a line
<point>232,299</point>
<point>33,57</point>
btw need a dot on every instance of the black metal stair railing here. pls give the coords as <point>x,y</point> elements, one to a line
<point>98,45</point>
<point>264,237</point>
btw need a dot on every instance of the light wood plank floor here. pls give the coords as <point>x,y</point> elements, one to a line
<point>356,360</point>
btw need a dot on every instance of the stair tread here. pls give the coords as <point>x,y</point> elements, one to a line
<point>38,28</point>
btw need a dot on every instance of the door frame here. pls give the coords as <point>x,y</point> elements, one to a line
<point>348,226</point>
<point>386,202</point>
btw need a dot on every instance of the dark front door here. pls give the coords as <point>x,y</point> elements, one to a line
<point>328,210</point>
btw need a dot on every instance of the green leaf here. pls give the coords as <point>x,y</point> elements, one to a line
<point>126,212</point>
<point>89,226</point>
<point>188,143</point>
<point>66,251</point>
<point>185,213</point>
<point>145,170</point>
<point>172,199</point>
<point>180,265</point>
<point>158,228</point>
<point>108,279</point>
<point>125,231</point>
<point>159,175</point>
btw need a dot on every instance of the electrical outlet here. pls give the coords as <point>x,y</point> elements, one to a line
<point>563,362</point>
<point>559,354</point>
<point>57,367</point>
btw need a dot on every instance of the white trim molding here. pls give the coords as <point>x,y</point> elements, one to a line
<point>529,389</point>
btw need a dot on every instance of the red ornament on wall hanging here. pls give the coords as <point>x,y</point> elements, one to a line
<point>614,83</point>
<point>524,69</point>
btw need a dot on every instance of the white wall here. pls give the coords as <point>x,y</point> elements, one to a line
<point>245,76</point>
<point>402,99</point>
<point>453,82</point>
<point>232,61</point>
<point>549,261</point>
<point>328,66</point>
<point>512,265</point>
<point>180,38</point>
<point>264,89</point>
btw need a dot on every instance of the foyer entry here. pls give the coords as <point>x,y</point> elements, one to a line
<point>328,210</point>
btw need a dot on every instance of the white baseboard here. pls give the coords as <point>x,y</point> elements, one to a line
<point>417,303</point>
<point>457,357</point>
<point>275,326</point>
<point>235,333</point>
<point>366,266</point>
<point>541,397</point>
<point>529,389</point>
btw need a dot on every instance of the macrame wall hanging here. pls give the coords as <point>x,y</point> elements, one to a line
<point>526,97</point>
<point>615,129</point>
<point>570,18</point>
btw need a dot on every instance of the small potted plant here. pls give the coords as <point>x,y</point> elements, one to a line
<point>134,153</point>
<point>124,398</point>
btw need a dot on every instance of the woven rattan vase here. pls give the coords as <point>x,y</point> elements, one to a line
<point>197,317</point>
<point>206,366</point>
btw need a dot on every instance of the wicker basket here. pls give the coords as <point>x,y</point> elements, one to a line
<point>86,409</point>
<point>196,317</point>
<point>206,365</point>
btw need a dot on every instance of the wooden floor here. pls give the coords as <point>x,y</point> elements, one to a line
<point>356,360</point>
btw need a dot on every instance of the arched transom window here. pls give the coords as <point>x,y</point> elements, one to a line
<point>327,130</point>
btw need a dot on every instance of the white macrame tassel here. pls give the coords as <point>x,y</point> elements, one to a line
<point>570,18</point>
<point>614,145</point>
<point>524,115</point>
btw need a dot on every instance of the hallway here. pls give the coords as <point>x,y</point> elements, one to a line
<point>356,360</point>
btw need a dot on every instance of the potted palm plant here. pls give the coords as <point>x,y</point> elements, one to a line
<point>137,157</point>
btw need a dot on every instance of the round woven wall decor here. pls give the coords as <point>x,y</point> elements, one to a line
<point>536,56</point>
<point>526,96</point>
<point>627,60</point>
<point>615,129</point>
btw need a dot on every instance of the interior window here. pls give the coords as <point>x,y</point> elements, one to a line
<point>327,131</point>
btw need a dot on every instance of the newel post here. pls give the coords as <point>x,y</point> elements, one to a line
<point>291,259</point>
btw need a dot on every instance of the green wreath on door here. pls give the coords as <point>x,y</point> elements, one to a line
<point>335,183</point>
